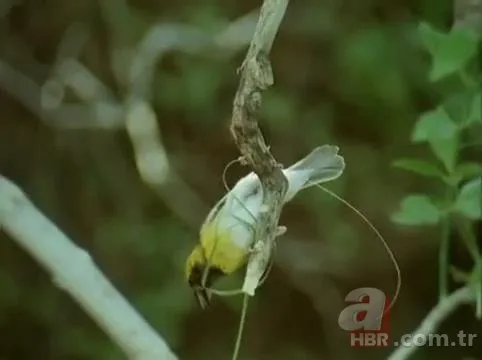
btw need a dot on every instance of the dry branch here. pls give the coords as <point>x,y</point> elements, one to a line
<point>256,76</point>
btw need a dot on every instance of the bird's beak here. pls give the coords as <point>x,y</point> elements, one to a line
<point>203,297</point>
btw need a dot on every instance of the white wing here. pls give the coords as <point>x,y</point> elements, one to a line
<point>238,210</point>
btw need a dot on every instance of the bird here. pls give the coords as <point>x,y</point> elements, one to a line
<point>226,235</point>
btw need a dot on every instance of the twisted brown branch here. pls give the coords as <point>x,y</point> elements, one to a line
<point>256,76</point>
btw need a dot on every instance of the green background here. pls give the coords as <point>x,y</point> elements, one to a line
<point>351,73</point>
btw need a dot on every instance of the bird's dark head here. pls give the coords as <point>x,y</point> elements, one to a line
<point>195,273</point>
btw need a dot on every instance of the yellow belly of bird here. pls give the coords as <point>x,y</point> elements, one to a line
<point>221,251</point>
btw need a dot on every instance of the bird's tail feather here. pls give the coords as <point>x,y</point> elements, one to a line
<point>321,165</point>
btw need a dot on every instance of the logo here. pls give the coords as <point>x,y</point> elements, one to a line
<point>365,318</point>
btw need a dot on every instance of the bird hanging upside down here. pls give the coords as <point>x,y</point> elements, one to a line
<point>226,235</point>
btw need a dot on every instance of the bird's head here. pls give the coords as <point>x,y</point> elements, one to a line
<point>196,265</point>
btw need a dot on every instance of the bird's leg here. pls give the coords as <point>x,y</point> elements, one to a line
<point>280,230</point>
<point>243,161</point>
<point>255,247</point>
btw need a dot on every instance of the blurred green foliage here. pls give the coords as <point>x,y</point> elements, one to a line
<point>451,52</point>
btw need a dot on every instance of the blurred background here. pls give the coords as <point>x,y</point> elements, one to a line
<point>350,73</point>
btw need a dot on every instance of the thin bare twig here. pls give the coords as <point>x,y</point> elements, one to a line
<point>257,76</point>
<point>433,320</point>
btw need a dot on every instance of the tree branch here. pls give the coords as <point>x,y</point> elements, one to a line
<point>433,320</point>
<point>256,76</point>
<point>73,270</point>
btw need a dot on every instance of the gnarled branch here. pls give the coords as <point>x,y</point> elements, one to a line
<point>256,76</point>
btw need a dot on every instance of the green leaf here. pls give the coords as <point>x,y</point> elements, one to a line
<point>457,106</point>
<point>475,111</point>
<point>421,167</point>
<point>453,52</point>
<point>468,170</point>
<point>431,37</point>
<point>434,125</point>
<point>464,107</point>
<point>446,151</point>
<point>417,210</point>
<point>437,128</point>
<point>469,200</point>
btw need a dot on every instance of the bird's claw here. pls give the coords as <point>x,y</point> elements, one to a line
<point>243,160</point>
<point>257,246</point>
<point>280,230</point>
